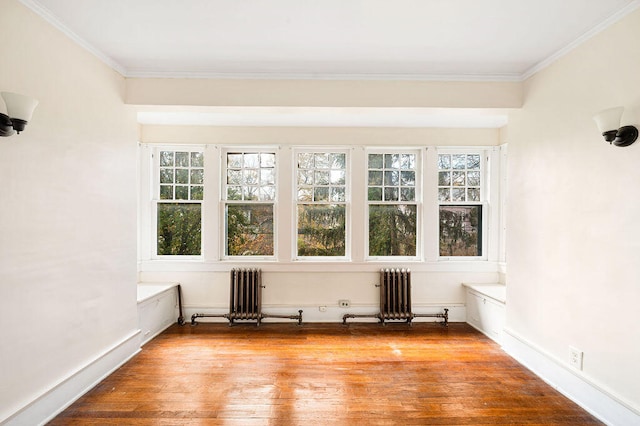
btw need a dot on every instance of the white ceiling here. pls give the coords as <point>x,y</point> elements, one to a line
<point>500,40</point>
<point>488,39</point>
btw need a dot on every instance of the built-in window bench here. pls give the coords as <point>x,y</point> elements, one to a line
<point>486,306</point>
<point>158,308</point>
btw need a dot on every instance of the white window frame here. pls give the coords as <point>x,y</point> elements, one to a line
<point>420,172</point>
<point>155,201</point>
<point>485,191</point>
<point>223,201</point>
<point>295,202</point>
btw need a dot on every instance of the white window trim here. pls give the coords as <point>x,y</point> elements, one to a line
<point>294,198</point>
<point>149,180</point>
<point>223,201</point>
<point>428,259</point>
<point>420,172</point>
<point>489,197</point>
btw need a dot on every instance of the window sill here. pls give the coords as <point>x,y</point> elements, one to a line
<point>298,266</point>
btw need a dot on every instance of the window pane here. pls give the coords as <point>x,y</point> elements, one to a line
<point>461,230</point>
<point>166,159</point>
<point>251,160</point>
<point>234,177</point>
<point>234,193</point>
<point>267,176</point>
<point>177,173</point>
<point>458,178</point>
<point>267,160</point>
<point>182,175</point>
<point>375,161</point>
<point>444,178</point>
<point>459,161</point>
<point>391,194</point>
<point>197,192</point>
<point>338,177</point>
<point>444,161</point>
<point>182,192</point>
<point>252,174</point>
<point>375,177</point>
<point>338,161</point>
<point>321,194</point>
<point>407,194</point>
<point>473,162</point>
<point>444,194</point>
<point>337,194</point>
<point>322,177</point>
<point>391,161</point>
<point>179,229</point>
<point>408,178</point>
<point>234,161</point>
<point>375,194</point>
<point>166,176</point>
<point>392,230</point>
<point>408,161</point>
<point>197,159</point>
<point>166,192</point>
<point>267,193</point>
<point>249,230</point>
<point>305,160</point>
<point>182,159</point>
<point>473,178</point>
<point>305,194</point>
<point>321,230</point>
<point>391,178</point>
<point>321,160</point>
<point>197,176</point>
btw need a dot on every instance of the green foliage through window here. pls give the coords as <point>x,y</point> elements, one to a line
<point>179,229</point>
<point>249,230</point>
<point>392,230</point>
<point>321,230</point>
<point>461,230</point>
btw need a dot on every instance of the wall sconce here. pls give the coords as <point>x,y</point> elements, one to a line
<point>19,110</point>
<point>608,122</point>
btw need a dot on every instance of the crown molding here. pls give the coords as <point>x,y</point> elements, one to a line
<point>46,14</point>
<point>513,77</point>
<point>612,19</point>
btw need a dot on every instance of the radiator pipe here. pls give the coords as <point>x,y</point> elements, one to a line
<point>295,317</point>
<point>445,316</point>
<point>180,317</point>
<point>194,316</point>
<point>232,317</point>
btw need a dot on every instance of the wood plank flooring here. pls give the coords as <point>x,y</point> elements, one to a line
<point>325,374</point>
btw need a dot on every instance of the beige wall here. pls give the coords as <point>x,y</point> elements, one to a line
<point>365,136</point>
<point>67,222</point>
<point>573,228</point>
<point>323,93</point>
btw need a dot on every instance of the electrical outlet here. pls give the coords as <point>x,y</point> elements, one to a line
<point>575,358</point>
<point>322,308</point>
<point>344,303</point>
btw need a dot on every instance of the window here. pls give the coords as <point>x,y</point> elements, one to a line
<point>250,194</point>
<point>392,203</point>
<point>460,195</point>
<point>179,198</point>
<point>321,203</point>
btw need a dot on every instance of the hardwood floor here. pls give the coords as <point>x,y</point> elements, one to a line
<point>325,374</point>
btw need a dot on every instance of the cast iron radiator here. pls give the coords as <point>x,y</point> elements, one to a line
<point>245,298</point>
<point>395,299</point>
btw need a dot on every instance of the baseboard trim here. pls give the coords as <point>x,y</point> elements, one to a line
<point>576,386</point>
<point>52,402</point>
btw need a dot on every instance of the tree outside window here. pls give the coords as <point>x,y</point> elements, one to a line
<point>392,204</point>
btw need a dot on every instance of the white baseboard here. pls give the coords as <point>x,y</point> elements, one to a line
<point>55,400</point>
<point>332,314</point>
<point>571,383</point>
